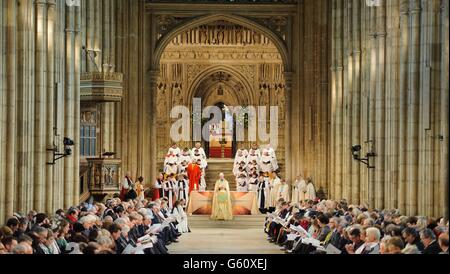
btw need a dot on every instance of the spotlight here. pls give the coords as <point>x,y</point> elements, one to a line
<point>356,152</point>
<point>68,142</point>
<point>356,149</point>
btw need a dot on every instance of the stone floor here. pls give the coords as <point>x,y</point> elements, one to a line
<point>228,240</point>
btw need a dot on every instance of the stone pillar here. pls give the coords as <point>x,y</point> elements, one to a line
<point>412,129</point>
<point>40,104</point>
<point>50,123</point>
<point>380,110</point>
<point>3,91</point>
<point>77,77</point>
<point>25,107</point>
<point>444,115</point>
<point>69,102</point>
<point>10,102</point>
<point>152,81</point>
<point>288,78</point>
<point>356,99</point>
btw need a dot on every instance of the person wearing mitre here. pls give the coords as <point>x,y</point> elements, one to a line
<point>265,164</point>
<point>262,188</point>
<point>253,182</point>
<point>158,187</point>
<point>221,206</point>
<point>283,190</point>
<point>171,165</point>
<point>169,188</point>
<point>298,190</point>
<point>241,181</point>
<point>310,193</point>
<point>194,174</point>
<point>199,153</point>
<point>182,188</point>
<point>274,182</point>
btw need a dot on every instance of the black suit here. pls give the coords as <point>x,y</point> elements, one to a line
<point>432,248</point>
<point>335,238</point>
<point>166,234</point>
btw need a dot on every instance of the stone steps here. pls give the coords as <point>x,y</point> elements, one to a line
<point>215,166</point>
<point>243,221</point>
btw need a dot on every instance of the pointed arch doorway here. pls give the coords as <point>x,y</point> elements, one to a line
<point>222,138</point>
<point>223,87</point>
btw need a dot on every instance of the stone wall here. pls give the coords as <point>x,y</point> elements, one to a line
<point>39,81</point>
<point>390,94</point>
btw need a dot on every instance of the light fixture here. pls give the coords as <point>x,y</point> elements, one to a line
<point>356,153</point>
<point>68,143</point>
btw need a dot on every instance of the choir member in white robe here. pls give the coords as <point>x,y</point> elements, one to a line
<point>310,193</point>
<point>238,159</point>
<point>253,182</point>
<point>274,182</point>
<point>182,168</point>
<point>199,153</point>
<point>273,155</point>
<point>265,164</point>
<point>298,190</point>
<point>182,188</point>
<point>181,216</point>
<point>169,187</point>
<point>185,156</point>
<point>254,153</point>
<point>202,184</point>
<point>171,165</point>
<point>174,150</point>
<point>262,188</point>
<point>252,167</point>
<point>283,190</point>
<point>241,181</point>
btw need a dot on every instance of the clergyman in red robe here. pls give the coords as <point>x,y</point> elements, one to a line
<point>194,173</point>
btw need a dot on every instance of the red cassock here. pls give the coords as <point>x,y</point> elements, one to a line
<point>194,173</point>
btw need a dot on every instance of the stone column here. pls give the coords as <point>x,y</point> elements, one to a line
<point>77,76</point>
<point>69,102</point>
<point>40,104</point>
<point>3,78</point>
<point>356,98</point>
<point>444,115</point>
<point>50,123</point>
<point>25,107</point>
<point>288,78</point>
<point>380,109</point>
<point>152,80</point>
<point>10,102</point>
<point>412,129</point>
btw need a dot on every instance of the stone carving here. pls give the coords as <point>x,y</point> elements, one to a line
<point>194,70</point>
<point>247,70</point>
<point>219,33</point>
<point>278,24</point>
<point>88,117</point>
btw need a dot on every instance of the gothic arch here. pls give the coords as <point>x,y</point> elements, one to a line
<point>238,77</point>
<point>236,19</point>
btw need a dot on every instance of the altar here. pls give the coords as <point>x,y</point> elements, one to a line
<point>244,203</point>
